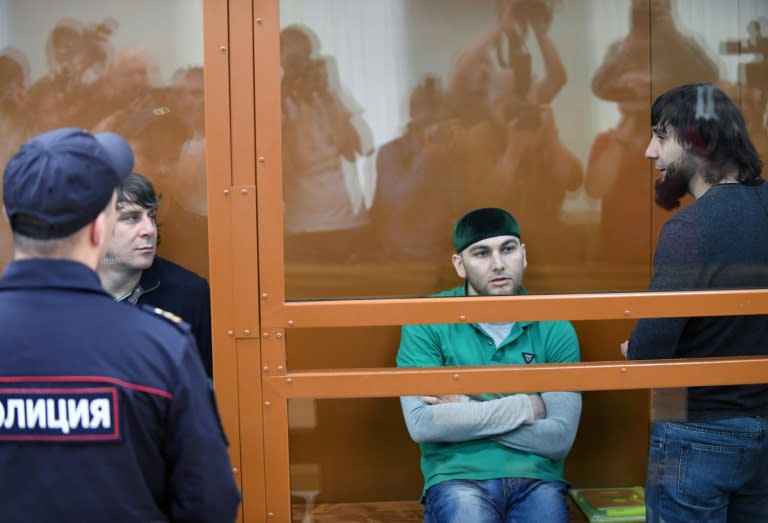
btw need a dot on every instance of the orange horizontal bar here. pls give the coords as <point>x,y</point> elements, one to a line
<point>400,311</point>
<point>368,383</point>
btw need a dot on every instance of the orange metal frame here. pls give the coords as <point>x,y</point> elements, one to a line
<point>250,312</point>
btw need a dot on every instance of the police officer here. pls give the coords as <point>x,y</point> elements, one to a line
<point>105,411</point>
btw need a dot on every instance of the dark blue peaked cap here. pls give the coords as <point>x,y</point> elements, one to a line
<point>59,181</point>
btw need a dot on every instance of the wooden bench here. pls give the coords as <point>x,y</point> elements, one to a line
<point>381,512</point>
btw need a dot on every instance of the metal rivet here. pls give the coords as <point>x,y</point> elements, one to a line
<point>627,313</point>
<point>226,192</point>
<point>259,21</point>
<point>456,377</point>
<point>623,369</point>
<point>247,332</point>
<point>265,369</point>
<point>243,191</point>
<point>290,323</point>
<point>279,335</point>
<point>223,48</point>
<point>234,470</point>
<point>280,368</point>
<point>270,514</point>
<point>462,318</point>
<point>289,380</point>
<point>267,404</point>
<point>266,335</point>
<point>230,333</point>
<point>264,295</point>
<point>261,159</point>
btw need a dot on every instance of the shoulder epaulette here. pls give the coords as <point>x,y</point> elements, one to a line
<point>168,316</point>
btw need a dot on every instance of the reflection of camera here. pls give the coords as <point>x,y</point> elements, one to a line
<point>535,10</point>
<point>752,74</point>
<point>526,116</point>
<point>304,79</point>
<point>440,133</point>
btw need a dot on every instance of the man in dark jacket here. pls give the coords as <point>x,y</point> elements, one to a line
<point>133,273</point>
<point>707,461</point>
<point>105,411</point>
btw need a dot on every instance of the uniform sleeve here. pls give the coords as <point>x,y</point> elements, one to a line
<point>553,436</point>
<point>202,486</point>
<point>674,268</point>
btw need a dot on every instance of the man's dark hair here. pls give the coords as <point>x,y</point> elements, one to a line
<point>710,126</point>
<point>136,188</point>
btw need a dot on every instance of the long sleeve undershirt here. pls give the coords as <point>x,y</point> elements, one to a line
<point>508,420</point>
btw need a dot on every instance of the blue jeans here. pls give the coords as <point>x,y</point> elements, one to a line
<point>706,472</point>
<point>508,500</point>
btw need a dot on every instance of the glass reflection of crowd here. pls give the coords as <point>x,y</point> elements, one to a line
<point>90,84</point>
<point>325,218</point>
<point>616,171</point>
<point>475,144</point>
<point>485,135</point>
<point>506,140</point>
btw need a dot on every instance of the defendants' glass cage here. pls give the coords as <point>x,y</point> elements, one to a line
<point>317,185</point>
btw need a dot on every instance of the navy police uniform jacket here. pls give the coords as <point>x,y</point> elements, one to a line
<point>106,415</point>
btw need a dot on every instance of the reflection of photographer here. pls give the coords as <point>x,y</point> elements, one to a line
<point>504,48</point>
<point>419,179</point>
<point>518,161</point>
<point>753,79</point>
<point>753,74</point>
<point>516,18</point>
<point>75,49</point>
<point>303,79</point>
<point>307,97</point>
<point>325,216</point>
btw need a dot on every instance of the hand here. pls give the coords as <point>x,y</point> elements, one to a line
<point>507,19</point>
<point>539,408</point>
<point>445,398</point>
<point>542,131</point>
<point>624,348</point>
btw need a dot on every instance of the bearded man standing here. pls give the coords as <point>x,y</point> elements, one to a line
<point>707,460</point>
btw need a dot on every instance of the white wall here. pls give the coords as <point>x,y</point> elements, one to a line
<point>171,30</point>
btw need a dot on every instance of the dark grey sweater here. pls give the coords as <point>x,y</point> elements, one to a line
<point>718,242</point>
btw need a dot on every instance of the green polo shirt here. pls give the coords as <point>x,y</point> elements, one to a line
<point>446,345</point>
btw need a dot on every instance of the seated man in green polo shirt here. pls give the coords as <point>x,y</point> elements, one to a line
<point>491,457</point>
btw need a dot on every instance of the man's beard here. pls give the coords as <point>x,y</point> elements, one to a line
<point>674,185</point>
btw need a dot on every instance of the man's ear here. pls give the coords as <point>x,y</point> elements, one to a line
<point>525,258</point>
<point>458,264</point>
<point>97,230</point>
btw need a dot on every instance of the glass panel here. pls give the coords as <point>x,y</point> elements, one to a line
<point>354,460</point>
<point>399,116</point>
<point>341,348</point>
<point>376,347</point>
<point>130,67</point>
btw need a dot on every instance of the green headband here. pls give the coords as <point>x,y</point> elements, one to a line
<point>482,224</point>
